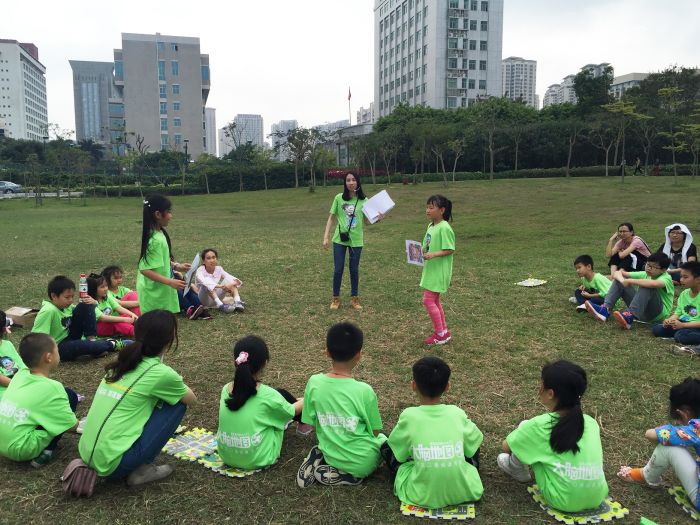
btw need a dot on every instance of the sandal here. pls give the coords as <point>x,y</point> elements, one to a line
<point>635,475</point>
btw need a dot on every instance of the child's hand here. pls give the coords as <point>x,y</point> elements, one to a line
<point>676,324</point>
<point>586,294</point>
<point>177,284</point>
<point>582,288</point>
<point>325,243</point>
<point>428,256</point>
<point>88,300</point>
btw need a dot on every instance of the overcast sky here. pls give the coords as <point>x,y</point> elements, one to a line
<point>296,59</point>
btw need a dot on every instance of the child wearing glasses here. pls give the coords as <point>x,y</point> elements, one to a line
<point>648,294</point>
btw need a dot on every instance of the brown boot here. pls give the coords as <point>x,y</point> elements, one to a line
<point>355,303</point>
<point>335,302</point>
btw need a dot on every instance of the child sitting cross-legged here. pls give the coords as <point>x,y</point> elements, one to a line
<point>434,448</point>
<point>592,287</point>
<point>673,443</point>
<point>648,294</point>
<point>562,446</point>
<point>35,410</point>
<point>684,324</point>
<point>345,414</point>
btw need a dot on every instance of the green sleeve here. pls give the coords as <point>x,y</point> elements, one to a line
<point>680,307</point>
<point>638,275</point>
<point>152,259</point>
<point>448,238</point>
<point>308,413</point>
<point>170,386</point>
<point>472,438</point>
<point>529,442</point>
<point>55,415</point>
<point>98,312</point>
<point>400,439</point>
<point>280,411</point>
<point>43,321</point>
<point>374,419</point>
<point>334,206</point>
<point>113,304</point>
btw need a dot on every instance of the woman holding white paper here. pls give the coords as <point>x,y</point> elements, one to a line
<point>348,236</point>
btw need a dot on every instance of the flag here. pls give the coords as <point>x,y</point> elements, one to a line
<point>349,94</point>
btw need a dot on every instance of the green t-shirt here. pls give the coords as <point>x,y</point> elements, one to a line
<point>345,414</point>
<point>343,210</point>
<point>153,295</point>
<point>432,441</point>
<point>29,402</point>
<point>600,284</point>
<point>10,362</point>
<point>121,292</point>
<point>107,306</point>
<point>125,425</point>
<point>53,321</point>
<point>687,309</point>
<point>569,482</point>
<point>666,293</point>
<point>251,437</point>
<point>437,272</point>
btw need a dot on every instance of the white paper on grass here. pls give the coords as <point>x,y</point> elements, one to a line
<point>189,276</point>
<point>414,253</point>
<point>380,203</point>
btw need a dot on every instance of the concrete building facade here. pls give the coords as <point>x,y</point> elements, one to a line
<point>439,53</point>
<point>366,115</point>
<point>519,79</point>
<point>93,86</point>
<point>249,130</point>
<point>624,82</point>
<point>210,131</point>
<point>280,128</point>
<point>23,108</point>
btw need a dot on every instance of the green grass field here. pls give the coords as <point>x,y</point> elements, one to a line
<point>502,334</point>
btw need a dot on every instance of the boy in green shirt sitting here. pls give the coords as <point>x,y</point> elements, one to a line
<point>345,415</point>
<point>648,294</point>
<point>68,324</point>
<point>684,324</point>
<point>434,448</point>
<point>35,410</point>
<point>593,286</point>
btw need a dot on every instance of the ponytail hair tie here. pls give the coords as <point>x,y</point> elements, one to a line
<point>242,358</point>
<point>146,203</point>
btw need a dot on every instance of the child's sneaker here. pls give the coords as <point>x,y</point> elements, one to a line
<point>205,315</point>
<point>691,351</point>
<point>304,429</point>
<point>42,459</point>
<point>239,305</point>
<point>305,475</point>
<point>227,308</point>
<point>624,319</point>
<point>193,312</point>
<point>517,471</point>
<point>148,473</point>
<point>573,300</point>
<point>436,339</point>
<point>329,476</point>
<point>118,344</point>
<point>581,309</point>
<point>599,311</point>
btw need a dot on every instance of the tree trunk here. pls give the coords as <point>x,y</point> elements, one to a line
<point>264,179</point>
<point>568,160</point>
<point>517,150</point>
<point>296,174</point>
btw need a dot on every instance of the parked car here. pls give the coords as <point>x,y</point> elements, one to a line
<point>10,187</point>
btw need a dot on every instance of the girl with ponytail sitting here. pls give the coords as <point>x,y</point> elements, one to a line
<point>562,446</point>
<point>253,416</point>
<point>137,407</point>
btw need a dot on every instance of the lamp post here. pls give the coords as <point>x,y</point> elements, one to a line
<point>184,168</point>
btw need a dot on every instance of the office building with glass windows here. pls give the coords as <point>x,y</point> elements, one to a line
<point>93,86</point>
<point>439,53</point>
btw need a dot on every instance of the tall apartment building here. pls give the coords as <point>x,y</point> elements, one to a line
<point>438,53</point>
<point>281,127</point>
<point>210,131</point>
<point>249,130</point>
<point>93,86</point>
<point>624,82</point>
<point>366,115</point>
<point>23,110</point>
<point>520,80</point>
<point>565,92</point>
<point>332,127</point>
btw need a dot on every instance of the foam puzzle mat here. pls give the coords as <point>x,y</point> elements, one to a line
<point>607,511</point>
<point>530,282</point>
<point>682,499</point>
<point>465,511</point>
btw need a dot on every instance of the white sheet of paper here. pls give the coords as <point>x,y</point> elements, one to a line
<point>379,203</point>
<point>414,253</point>
<point>189,276</point>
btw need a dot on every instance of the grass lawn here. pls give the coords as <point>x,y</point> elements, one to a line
<point>506,231</point>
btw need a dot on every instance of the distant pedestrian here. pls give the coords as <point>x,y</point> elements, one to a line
<point>657,168</point>
<point>623,164</point>
<point>637,166</point>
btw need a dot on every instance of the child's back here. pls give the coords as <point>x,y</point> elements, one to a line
<point>438,438</point>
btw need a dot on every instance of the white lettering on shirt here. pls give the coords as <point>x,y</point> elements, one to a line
<point>439,451</point>
<point>103,391</point>
<point>348,423</point>
<point>9,410</point>
<point>585,472</point>
<point>239,440</point>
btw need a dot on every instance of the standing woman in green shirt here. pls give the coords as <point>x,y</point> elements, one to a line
<point>348,236</point>
<point>156,287</point>
<point>438,250</point>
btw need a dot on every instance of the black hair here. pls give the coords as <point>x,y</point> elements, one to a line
<point>628,224</point>
<point>685,395</point>
<point>344,341</point>
<point>586,260</point>
<point>111,271</point>
<point>569,382</point>
<point>207,250</point>
<point>3,324</point>
<point>442,202</point>
<point>151,205</point>
<point>154,332</point>
<point>359,192</point>
<point>94,281</point>
<point>661,259</point>
<point>33,346</point>
<point>431,375</point>
<point>244,383</point>
<point>677,227</point>
<point>60,284</point>
<point>691,266</point>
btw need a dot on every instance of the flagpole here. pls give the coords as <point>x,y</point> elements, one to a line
<point>349,110</point>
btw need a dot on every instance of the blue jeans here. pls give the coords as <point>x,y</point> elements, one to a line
<point>156,432</point>
<point>684,336</point>
<point>581,299</point>
<point>339,265</point>
<point>73,402</point>
<point>82,324</point>
<point>190,299</point>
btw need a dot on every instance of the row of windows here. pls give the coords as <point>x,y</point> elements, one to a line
<point>401,11</point>
<point>164,107</point>
<point>453,63</point>
<point>164,90</point>
<point>174,69</point>
<point>453,43</point>
<point>177,122</point>
<point>406,95</point>
<point>468,24</point>
<point>466,83</point>
<point>468,4</point>
<point>418,70</point>
<point>161,46</point>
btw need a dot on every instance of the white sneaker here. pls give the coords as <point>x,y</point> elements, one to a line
<point>573,300</point>
<point>148,473</point>
<point>518,472</point>
<point>581,308</point>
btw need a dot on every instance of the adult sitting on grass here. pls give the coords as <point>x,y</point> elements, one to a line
<point>626,250</point>
<point>679,247</point>
<point>137,407</point>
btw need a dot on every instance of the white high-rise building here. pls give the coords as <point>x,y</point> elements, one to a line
<point>249,130</point>
<point>225,143</point>
<point>624,82</point>
<point>366,115</point>
<point>438,53</point>
<point>23,111</point>
<point>520,80</point>
<point>210,131</point>
<point>332,127</point>
<point>565,92</point>
<point>281,128</point>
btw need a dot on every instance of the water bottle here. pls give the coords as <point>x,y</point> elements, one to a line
<point>82,287</point>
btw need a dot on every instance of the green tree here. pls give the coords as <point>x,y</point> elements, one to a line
<point>591,91</point>
<point>671,103</point>
<point>490,116</point>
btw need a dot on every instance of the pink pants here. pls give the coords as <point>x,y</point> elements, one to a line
<point>431,301</point>
<point>132,296</point>
<point>111,329</point>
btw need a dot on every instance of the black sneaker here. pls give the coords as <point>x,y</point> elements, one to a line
<point>194,313</point>
<point>329,476</point>
<point>205,315</point>
<point>305,476</point>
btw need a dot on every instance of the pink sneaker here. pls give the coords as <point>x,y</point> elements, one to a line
<point>436,339</point>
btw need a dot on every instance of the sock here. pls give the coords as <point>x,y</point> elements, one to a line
<point>442,333</point>
<point>218,301</point>
<point>637,474</point>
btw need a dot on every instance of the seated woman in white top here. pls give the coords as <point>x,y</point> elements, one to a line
<point>215,283</point>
